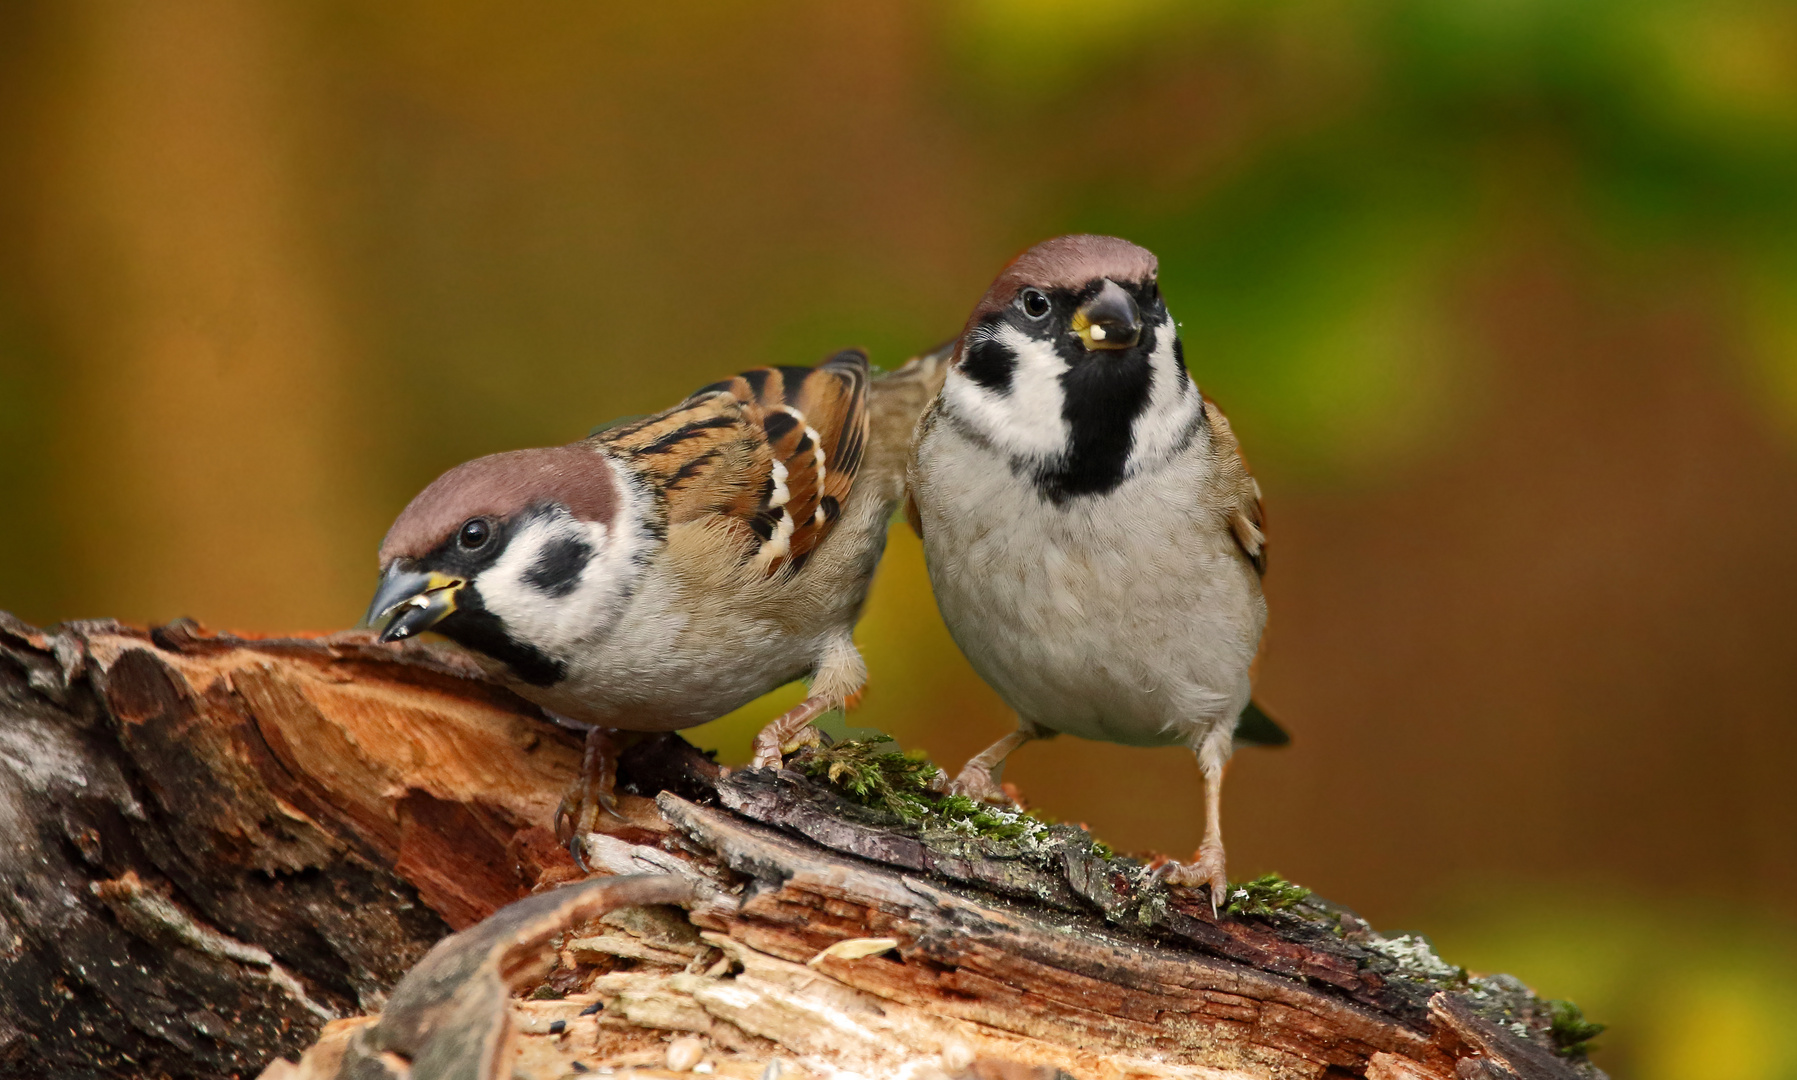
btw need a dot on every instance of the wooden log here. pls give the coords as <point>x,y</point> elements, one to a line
<point>215,847</point>
<point>227,852</point>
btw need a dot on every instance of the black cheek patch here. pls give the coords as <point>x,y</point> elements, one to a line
<point>557,570</point>
<point>990,364</point>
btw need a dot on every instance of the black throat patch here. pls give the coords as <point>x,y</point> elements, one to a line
<point>1104,392</point>
<point>472,626</point>
<point>1104,395</point>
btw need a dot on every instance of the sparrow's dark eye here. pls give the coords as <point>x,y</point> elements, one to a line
<point>1035,303</point>
<point>475,533</point>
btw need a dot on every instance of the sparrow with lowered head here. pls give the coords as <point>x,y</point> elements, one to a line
<point>1092,533</point>
<point>667,570</point>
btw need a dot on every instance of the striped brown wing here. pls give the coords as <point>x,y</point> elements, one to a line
<point>774,450</point>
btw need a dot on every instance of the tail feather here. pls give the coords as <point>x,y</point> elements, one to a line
<point>1256,728</point>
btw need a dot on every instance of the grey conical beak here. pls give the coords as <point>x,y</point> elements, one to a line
<point>409,602</point>
<point>1109,320</point>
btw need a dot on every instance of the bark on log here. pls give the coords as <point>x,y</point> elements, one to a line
<point>225,852</point>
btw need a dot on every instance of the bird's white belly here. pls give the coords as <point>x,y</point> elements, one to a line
<point>1135,627</point>
<point>676,682</point>
<point>671,664</point>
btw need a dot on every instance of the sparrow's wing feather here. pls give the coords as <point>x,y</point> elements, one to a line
<point>705,455</point>
<point>821,448</point>
<point>899,402</point>
<point>1241,494</point>
<point>772,452</point>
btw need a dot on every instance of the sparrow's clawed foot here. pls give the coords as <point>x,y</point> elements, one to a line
<point>978,778</point>
<point>1207,869</point>
<point>788,732</point>
<point>977,782</point>
<point>592,793</point>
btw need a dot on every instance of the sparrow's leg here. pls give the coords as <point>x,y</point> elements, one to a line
<point>978,779</point>
<point>840,677</point>
<point>591,793</point>
<point>1209,867</point>
<point>772,741</point>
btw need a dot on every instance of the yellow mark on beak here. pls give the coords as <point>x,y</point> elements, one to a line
<point>1110,320</point>
<point>409,602</point>
<point>436,580</point>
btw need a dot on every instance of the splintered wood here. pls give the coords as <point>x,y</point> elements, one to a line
<point>254,853</point>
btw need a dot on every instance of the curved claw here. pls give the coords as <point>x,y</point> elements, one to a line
<point>1208,871</point>
<point>567,827</point>
<point>770,756</point>
<point>590,795</point>
<point>567,813</point>
<point>564,820</point>
<point>767,750</point>
<point>978,779</point>
<point>788,732</point>
<point>577,852</point>
<point>977,783</point>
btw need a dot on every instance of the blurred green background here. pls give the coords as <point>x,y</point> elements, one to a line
<point>1500,294</point>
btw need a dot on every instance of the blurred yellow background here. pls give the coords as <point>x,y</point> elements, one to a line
<point>1500,294</point>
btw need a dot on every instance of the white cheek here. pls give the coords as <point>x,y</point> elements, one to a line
<point>1027,421</point>
<point>1173,405</point>
<point>558,624</point>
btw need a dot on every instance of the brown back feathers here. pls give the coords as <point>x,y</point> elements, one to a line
<point>772,452</point>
